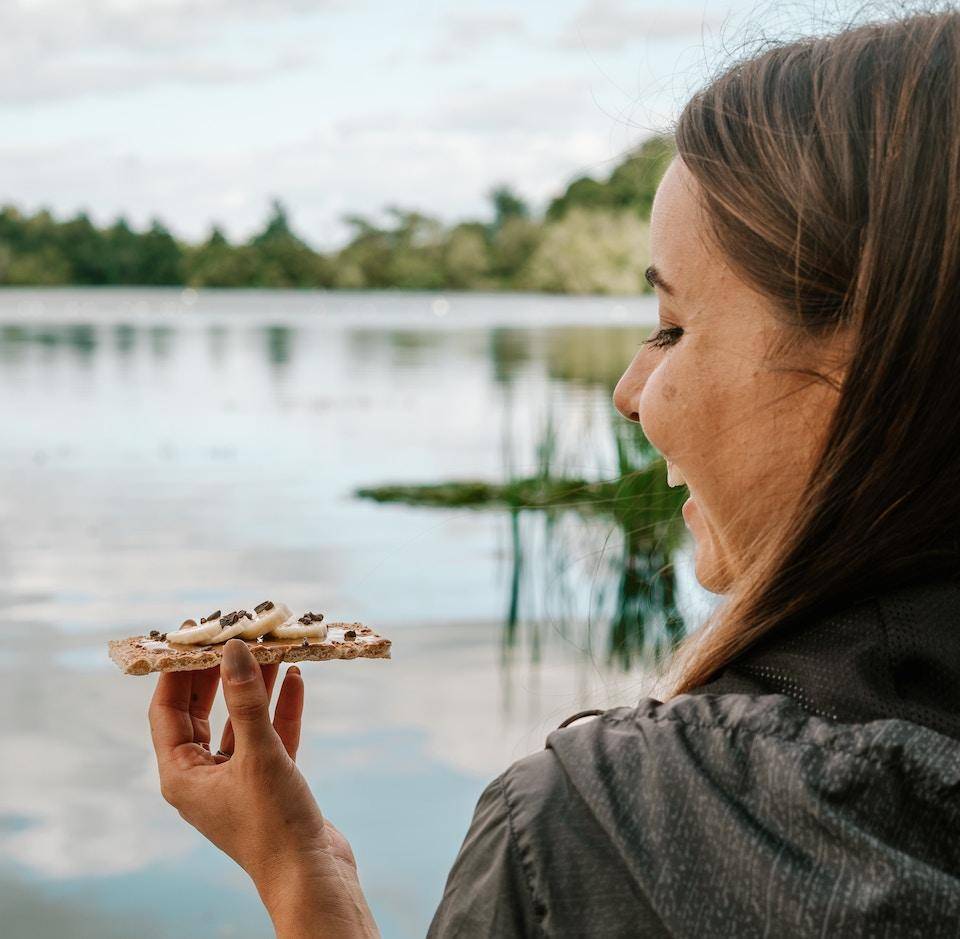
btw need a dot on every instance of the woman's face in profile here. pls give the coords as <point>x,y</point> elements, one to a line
<point>709,395</point>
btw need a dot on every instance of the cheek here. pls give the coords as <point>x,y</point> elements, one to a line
<point>677,411</point>
<point>688,412</point>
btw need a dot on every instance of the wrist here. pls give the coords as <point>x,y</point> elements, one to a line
<point>316,896</point>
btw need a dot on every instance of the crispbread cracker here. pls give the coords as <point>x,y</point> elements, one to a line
<point>140,655</point>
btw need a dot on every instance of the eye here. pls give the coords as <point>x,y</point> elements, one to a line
<point>665,336</point>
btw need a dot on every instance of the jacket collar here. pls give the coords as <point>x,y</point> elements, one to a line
<point>892,655</point>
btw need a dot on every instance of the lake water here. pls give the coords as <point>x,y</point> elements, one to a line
<point>165,453</point>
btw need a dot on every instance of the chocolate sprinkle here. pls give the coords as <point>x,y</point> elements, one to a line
<point>350,634</point>
<point>229,619</point>
<point>263,607</point>
<point>206,619</point>
<point>162,637</point>
<point>305,619</point>
<point>306,642</point>
<point>315,617</point>
<point>154,633</point>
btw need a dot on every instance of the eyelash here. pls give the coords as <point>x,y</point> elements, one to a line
<point>664,336</point>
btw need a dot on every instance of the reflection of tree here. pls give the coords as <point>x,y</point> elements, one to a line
<point>124,339</point>
<point>80,338</point>
<point>590,356</point>
<point>646,617</point>
<point>509,350</point>
<point>279,344</point>
<point>161,341</point>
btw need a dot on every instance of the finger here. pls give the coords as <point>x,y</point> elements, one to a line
<point>246,697</point>
<point>289,710</point>
<point>269,673</point>
<point>202,694</point>
<point>170,722</point>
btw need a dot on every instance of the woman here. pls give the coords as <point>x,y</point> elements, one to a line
<point>803,777</point>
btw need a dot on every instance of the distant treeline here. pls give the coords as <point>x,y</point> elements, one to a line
<point>591,239</point>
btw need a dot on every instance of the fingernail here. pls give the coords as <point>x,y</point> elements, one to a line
<point>238,662</point>
<point>293,670</point>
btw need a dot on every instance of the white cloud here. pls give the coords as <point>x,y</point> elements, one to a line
<point>52,49</point>
<point>465,32</point>
<point>442,160</point>
<point>612,24</point>
<point>347,133</point>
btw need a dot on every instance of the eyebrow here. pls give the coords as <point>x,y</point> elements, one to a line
<point>655,279</point>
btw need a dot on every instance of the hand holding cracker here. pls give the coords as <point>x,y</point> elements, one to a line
<point>255,804</point>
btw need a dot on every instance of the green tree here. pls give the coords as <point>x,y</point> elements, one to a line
<point>85,247</point>
<point>160,257</point>
<point>631,185</point>
<point>584,193</point>
<point>407,254</point>
<point>123,253</point>
<point>281,259</point>
<point>507,205</point>
<point>217,263</point>
<point>513,246</point>
<point>466,257</point>
<point>590,252</point>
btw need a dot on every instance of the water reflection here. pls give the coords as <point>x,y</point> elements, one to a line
<point>279,341</point>
<point>124,339</point>
<point>509,352</point>
<point>160,340</point>
<point>633,522</point>
<point>159,458</point>
<point>589,356</point>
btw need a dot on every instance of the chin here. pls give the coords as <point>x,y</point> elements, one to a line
<point>710,574</point>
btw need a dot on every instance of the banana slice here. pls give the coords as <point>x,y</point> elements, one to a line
<point>300,630</point>
<point>234,627</point>
<point>190,634</point>
<point>269,616</point>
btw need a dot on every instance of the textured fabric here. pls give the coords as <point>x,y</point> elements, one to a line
<point>742,814</point>
<point>893,655</point>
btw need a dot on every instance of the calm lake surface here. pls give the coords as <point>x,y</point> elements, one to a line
<point>165,453</point>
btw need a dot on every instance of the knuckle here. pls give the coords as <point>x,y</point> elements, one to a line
<point>247,711</point>
<point>168,792</point>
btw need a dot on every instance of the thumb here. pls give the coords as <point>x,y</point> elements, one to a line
<point>246,697</point>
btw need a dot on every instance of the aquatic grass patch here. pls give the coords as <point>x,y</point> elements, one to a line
<point>633,593</point>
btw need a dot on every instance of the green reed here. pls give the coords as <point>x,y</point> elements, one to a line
<point>634,591</point>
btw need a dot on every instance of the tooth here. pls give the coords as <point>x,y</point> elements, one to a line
<point>674,476</point>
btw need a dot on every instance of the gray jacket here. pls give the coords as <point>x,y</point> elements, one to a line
<point>812,790</point>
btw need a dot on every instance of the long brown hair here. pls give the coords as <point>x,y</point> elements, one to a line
<point>829,170</point>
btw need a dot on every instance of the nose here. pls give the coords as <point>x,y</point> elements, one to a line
<point>626,396</point>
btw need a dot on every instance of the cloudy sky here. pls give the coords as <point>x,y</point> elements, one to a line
<point>200,111</point>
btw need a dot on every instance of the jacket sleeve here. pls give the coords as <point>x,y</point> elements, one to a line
<point>488,892</point>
